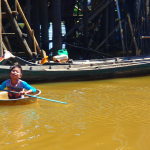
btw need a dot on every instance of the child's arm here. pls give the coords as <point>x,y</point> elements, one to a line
<point>28,87</point>
<point>3,85</point>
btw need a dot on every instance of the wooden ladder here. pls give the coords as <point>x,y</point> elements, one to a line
<point>12,17</point>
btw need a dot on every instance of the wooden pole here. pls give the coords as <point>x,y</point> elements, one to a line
<point>6,40</point>
<point>132,34</point>
<point>85,22</point>
<point>35,19</point>
<point>1,50</point>
<point>28,26</point>
<point>145,37</point>
<point>107,21</point>
<point>44,24</point>
<point>121,28</point>
<point>57,41</point>
<point>4,46</point>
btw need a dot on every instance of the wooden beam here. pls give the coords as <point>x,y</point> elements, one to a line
<point>132,34</point>
<point>13,13</point>
<point>1,50</point>
<point>85,22</point>
<point>28,27</point>
<point>145,37</point>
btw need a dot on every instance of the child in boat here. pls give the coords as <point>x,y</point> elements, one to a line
<point>16,84</point>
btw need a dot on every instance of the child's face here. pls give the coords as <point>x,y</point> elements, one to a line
<point>15,73</point>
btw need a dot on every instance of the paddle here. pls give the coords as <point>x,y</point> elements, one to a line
<point>38,97</point>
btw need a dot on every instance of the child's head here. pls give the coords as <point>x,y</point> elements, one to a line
<point>16,72</point>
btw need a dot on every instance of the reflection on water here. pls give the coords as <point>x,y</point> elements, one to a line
<point>107,115</point>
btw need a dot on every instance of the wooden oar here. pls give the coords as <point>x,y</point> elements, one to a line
<point>38,97</point>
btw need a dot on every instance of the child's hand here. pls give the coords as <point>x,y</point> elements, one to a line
<point>22,92</point>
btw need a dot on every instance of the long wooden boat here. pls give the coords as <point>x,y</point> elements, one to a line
<point>83,69</point>
<point>4,100</point>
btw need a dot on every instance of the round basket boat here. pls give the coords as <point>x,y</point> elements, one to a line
<point>4,100</point>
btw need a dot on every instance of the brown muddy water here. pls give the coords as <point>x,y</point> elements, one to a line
<point>101,115</point>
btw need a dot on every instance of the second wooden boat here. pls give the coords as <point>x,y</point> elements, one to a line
<point>82,69</point>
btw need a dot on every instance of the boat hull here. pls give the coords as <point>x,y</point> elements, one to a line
<point>81,71</point>
<point>88,74</point>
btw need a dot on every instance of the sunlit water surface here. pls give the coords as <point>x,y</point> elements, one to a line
<point>101,115</point>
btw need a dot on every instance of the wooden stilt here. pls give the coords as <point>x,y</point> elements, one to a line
<point>91,17</point>
<point>28,27</point>
<point>85,22</point>
<point>4,46</point>
<point>57,41</point>
<point>6,40</point>
<point>1,50</point>
<point>121,28</point>
<point>132,34</point>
